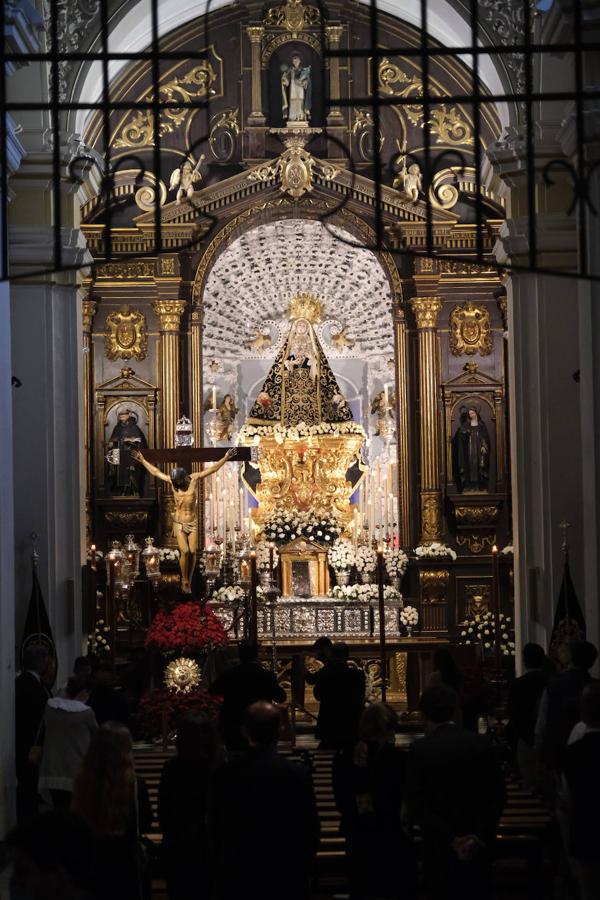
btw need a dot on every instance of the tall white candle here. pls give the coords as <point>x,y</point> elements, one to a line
<point>214,396</point>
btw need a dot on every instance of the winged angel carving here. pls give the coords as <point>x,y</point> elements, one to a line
<point>184,178</point>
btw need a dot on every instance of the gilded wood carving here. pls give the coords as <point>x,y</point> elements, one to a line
<point>125,336</point>
<point>470,330</point>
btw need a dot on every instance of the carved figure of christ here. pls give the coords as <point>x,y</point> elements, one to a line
<point>183,487</point>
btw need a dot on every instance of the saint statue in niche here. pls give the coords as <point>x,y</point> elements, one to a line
<point>301,371</point>
<point>471,451</point>
<point>124,475</point>
<point>296,91</point>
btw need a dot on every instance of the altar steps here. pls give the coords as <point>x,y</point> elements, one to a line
<point>523,870</point>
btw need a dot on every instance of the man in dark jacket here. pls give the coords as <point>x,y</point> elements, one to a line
<point>340,690</point>
<point>31,697</point>
<point>524,695</point>
<point>455,792</point>
<point>240,686</point>
<point>582,778</point>
<point>263,821</point>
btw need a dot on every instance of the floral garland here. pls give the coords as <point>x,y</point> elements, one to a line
<point>186,629</point>
<point>162,708</point>
<point>263,556</point>
<point>365,592</point>
<point>366,559</point>
<point>480,628</point>
<point>341,555</point>
<point>396,562</point>
<point>409,616</point>
<point>435,550</point>
<point>314,525</point>
<point>253,433</point>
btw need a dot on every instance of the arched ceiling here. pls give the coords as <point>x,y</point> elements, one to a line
<point>131,30</point>
<point>252,282</point>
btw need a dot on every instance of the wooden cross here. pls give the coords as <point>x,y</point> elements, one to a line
<point>179,456</point>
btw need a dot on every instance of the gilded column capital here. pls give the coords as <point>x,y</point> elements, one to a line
<point>255,33</point>
<point>426,310</point>
<point>88,311</point>
<point>169,313</point>
<point>334,34</point>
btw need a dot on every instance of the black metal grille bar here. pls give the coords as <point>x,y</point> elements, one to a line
<point>423,52</point>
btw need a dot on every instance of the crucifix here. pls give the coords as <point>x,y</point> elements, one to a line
<point>183,486</point>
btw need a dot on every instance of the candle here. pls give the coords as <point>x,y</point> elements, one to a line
<point>386,397</point>
<point>380,593</point>
<point>241,514</point>
<point>214,396</point>
<point>253,598</point>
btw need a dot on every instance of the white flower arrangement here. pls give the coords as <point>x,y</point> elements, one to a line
<point>93,555</point>
<point>251,434</point>
<point>263,556</point>
<point>229,593</point>
<point>409,617</point>
<point>168,554</point>
<point>480,628</point>
<point>341,555</point>
<point>313,524</point>
<point>396,562</point>
<point>435,550</point>
<point>366,592</point>
<point>508,550</point>
<point>366,559</point>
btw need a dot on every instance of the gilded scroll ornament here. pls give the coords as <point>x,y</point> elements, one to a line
<point>470,330</point>
<point>431,516</point>
<point>476,515</point>
<point>292,16</point>
<point>195,84</point>
<point>125,336</point>
<point>126,270</point>
<point>446,122</point>
<point>476,542</point>
<point>224,128</point>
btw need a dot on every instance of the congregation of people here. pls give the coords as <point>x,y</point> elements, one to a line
<point>239,819</point>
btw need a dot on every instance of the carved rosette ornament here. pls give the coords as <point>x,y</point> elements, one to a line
<point>470,330</point>
<point>126,336</point>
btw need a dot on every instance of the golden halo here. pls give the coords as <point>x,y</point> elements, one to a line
<point>182,675</point>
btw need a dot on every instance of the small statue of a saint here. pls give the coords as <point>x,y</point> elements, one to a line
<point>185,514</point>
<point>124,475</point>
<point>383,407</point>
<point>471,451</point>
<point>296,91</point>
<point>227,411</point>
<point>301,371</point>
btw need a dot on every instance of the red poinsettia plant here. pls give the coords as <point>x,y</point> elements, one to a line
<point>162,709</point>
<point>185,629</point>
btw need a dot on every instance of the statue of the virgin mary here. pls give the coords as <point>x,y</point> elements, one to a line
<point>300,386</point>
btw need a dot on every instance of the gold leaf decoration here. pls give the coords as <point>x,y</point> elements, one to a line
<point>182,675</point>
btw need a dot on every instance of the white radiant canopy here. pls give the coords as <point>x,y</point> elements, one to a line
<point>252,282</point>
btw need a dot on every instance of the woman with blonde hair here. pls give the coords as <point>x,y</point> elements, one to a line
<point>115,804</point>
<point>368,782</point>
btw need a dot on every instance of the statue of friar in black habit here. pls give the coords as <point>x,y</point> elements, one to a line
<point>471,452</point>
<point>125,475</point>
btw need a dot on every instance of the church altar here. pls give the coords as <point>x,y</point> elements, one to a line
<point>308,617</point>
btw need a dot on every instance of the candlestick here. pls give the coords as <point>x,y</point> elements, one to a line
<point>253,598</point>
<point>382,653</point>
<point>214,396</point>
<point>496,602</point>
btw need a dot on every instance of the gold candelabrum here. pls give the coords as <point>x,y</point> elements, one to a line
<point>309,473</point>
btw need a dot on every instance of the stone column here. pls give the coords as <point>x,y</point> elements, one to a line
<point>334,33</point>
<point>88,311</point>
<point>169,314</point>
<point>255,33</point>
<point>401,338</point>
<point>426,310</point>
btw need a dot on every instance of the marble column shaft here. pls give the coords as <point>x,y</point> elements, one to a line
<point>255,33</point>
